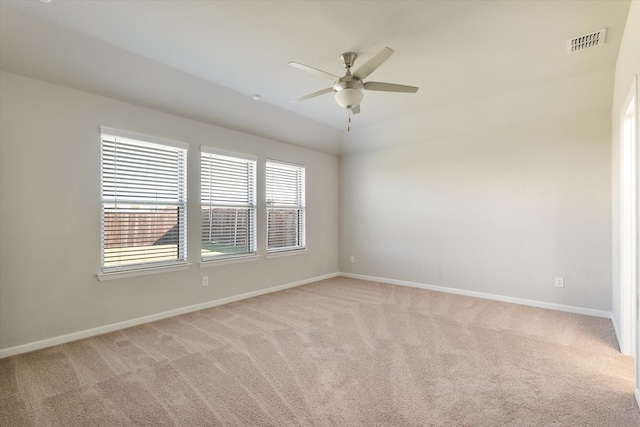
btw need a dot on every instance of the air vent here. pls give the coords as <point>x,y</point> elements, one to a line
<point>587,41</point>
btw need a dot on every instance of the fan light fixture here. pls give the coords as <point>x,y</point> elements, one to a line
<point>349,98</point>
<point>349,88</point>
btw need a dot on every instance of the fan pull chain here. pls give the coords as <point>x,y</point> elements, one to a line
<point>349,120</point>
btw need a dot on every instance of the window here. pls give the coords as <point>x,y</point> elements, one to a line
<point>144,201</point>
<point>228,204</point>
<point>285,207</point>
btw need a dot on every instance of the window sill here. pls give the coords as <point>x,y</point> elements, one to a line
<point>230,260</point>
<point>123,274</point>
<point>291,252</point>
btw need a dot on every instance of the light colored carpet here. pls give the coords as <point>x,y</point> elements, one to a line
<point>339,352</point>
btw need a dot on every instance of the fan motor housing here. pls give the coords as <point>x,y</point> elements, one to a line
<point>348,82</point>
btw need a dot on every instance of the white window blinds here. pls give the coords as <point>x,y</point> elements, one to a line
<point>144,201</point>
<point>285,206</point>
<point>228,205</point>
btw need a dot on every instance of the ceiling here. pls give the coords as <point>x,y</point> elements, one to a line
<point>205,59</point>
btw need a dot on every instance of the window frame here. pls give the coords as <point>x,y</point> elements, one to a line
<point>250,205</point>
<point>110,137</point>
<point>298,205</point>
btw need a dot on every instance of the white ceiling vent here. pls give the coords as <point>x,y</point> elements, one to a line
<point>586,41</point>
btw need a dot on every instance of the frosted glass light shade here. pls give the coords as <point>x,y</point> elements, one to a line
<point>349,98</point>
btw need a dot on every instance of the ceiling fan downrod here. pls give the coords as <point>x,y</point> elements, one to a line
<point>348,59</point>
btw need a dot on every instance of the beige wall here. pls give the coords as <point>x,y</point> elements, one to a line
<point>499,213</point>
<point>50,215</point>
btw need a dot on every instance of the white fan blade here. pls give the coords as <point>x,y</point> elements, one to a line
<point>356,109</point>
<point>371,65</point>
<point>315,71</point>
<point>314,94</point>
<point>389,87</point>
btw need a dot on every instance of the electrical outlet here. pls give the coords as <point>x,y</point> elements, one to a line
<point>352,259</point>
<point>559,282</point>
<point>205,280</point>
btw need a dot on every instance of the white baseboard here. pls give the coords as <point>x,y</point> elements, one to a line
<point>502,298</point>
<point>62,339</point>
<point>616,330</point>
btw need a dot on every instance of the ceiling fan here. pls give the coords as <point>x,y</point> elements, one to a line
<point>348,88</point>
